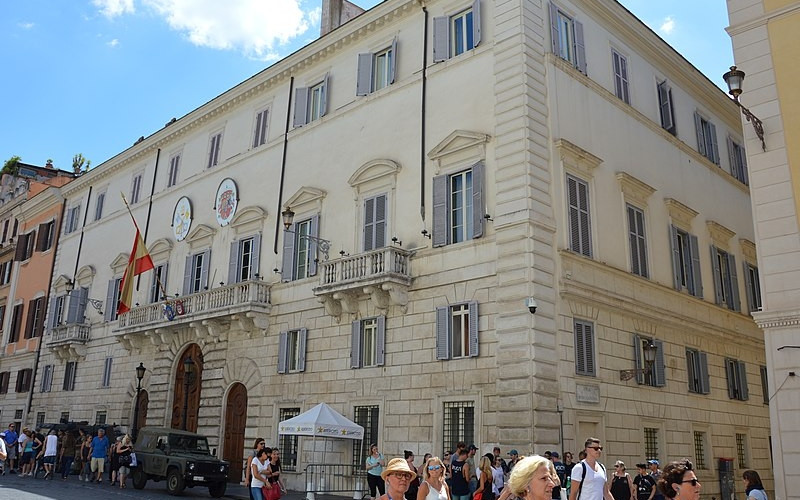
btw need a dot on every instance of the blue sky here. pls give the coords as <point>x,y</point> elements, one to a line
<point>92,76</point>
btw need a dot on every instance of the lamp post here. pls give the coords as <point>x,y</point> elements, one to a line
<point>734,79</point>
<point>139,376</point>
<point>188,376</point>
<point>650,351</point>
<point>323,244</point>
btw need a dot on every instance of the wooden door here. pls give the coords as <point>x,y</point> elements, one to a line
<point>235,422</point>
<point>144,400</point>
<point>195,382</point>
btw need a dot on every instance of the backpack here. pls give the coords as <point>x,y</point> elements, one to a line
<point>583,476</point>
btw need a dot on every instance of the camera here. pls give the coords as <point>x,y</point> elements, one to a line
<point>531,304</point>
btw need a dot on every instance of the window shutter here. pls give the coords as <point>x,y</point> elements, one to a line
<point>705,385</point>
<point>584,349</point>
<point>380,221</point>
<point>301,362</point>
<point>743,156</point>
<point>74,305</point>
<point>478,172</point>
<point>256,136</point>
<point>665,105</point>
<point>441,38</point>
<point>580,232</point>
<point>300,107</point>
<point>313,251</point>
<point>22,245</point>
<point>741,368</point>
<point>440,236</point>
<point>637,358</point>
<point>111,307</point>
<point>574,216</point>
<point>51,322</point>
<point>476,23</point>
<point>555,39</point>
<point>393,62</point>
<point>83,299</point>
<point>29,320</point>
<point>369,224</point>
<point>698,127</point>
<point>660,378</point>
<point>212,152</point>
<point>255,258</point>
<point>324,99</point>
<point>283,339</point>
<point>41,239</point>
<point>443,332</point>
<point>715,149</point>
<point>676,257</point>
<point>748,287</point>
<point>187,275</point>
<point>364,74</point>
<point>583,205</point>
<point>473,329</point>
<point>730,372</point>
<point>156,288</point>
<point>380,344</point>
<point>731,156</point>
<point>287,265</point>
<point>204,270</point>
<point>634,241</point>
<point>580,49</point>
<point>355,344</point>
<point>233,263</point>
<point>733,298</point>
<point>696,276</point>
<point>716,272</point>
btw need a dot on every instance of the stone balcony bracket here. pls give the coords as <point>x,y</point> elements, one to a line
<point>68,342</point>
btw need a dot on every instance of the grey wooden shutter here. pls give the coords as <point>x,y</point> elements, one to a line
<point>364,74</point>
<point>212,153</point>
<point>324,99</point>
<point>665,105</point>
<point>187,275</point>
<point>283,338</point>
<point>637,358</point>
<point>717,273</point>
<point>748,287</point>
<point>659,373</point>
<point>440,199</point>
<point>633,238</point>
<point>705,385</point>
<point>393,62</point>
<point>300,107</point>
<point>83,299</point>
<point>697,278</point>
<point>580,232</point>
<point>441,38</point>
<point>698,127</point>
<point>733,297</point>
<point>355,344</point>
<point>204,270</point>
<point>51,322</point>
<point>676,257</point>
<point>443,332</point>
<point>255,256</point>
<point>712,130</point>
<point>743,156</point>
<point>380,344</point>
<point>233,263</point>
<point>473,328</point>
<point>380,221</point>
<point>369,224</point>
<point>287,265</point>
<point>584,348</point>
<point>478,172</point>
<point>730,372</point>
<point>301,348</point>
<point>731,156</point>
<point>476,23</point>
<point>741,369</point>
<point>555,39</point>
<point>313,251</point>
<point>111,306</point>
<point>580,48</point>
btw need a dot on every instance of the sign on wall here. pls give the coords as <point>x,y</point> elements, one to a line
<point>227,201</point>
<point>182,218</point>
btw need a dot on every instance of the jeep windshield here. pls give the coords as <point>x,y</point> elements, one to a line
<point>190,444</point>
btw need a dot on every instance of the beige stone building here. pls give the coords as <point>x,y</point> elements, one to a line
<point>443,166</point>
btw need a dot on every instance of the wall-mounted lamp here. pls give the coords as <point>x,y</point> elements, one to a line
<point>323,244</point>
<point>734,79</point>
<point>396,241</point>
<point>650,351</point>
<point>97,304</point>
<point>425,233</point>
<point>488,217</point>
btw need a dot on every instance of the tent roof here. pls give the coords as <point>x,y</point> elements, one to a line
<point>322,421</point>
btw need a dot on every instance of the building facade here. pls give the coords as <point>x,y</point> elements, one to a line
<point>364,223</point>
<point>765,47</point>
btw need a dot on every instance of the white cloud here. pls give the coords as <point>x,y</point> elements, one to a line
<point>26,26</point>
<point>667,26</point>
<point>113,43</point>
<point>314,16</point>
<point>114,8</point>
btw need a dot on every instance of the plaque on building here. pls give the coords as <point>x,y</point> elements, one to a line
<point>227,201</point>
<point>587,393</point>
<point>182,218</point>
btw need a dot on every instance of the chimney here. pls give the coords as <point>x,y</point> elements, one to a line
<point>335,13</point>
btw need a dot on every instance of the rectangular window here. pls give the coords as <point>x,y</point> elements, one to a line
<point>459,423</point>
<point>741,450</point>
<point>64,417</point>
<point>567,38</point>
<point>697,371</point>
<point>58,311</point>
<point>24,380</point>
<point>458,33</point>
<point>299,250</point>
<point>457,331</point>
<point>112,299</point>
<point>584,348</point>
<point>655,375</point>
<point>159,281</point>
<point>382,69</point>
<point>213,149</point>
<point>69,375</point>
<point>25,246</point>
<point>40,416</point>
<point>368,341</point>
<point>136,188</point>
<point>700,450</point>
<point>174,167</point>
<point>98,205</point>
<point>458,210</point>
<point>311,103</point>
<point>764,384</point>
<point>2,316</point>
<point>107,372</point>
<point>5,272</point>
<point>375,222</point>
<point>738,160</point>
<point>302,246</point>
<point>706,138</point>
<point>753,287</point>
<point>288,443</point>
<point>461,32</point>
<point>666,108</point>
<point>16,323</point>
<point>198,264</point>
<point>5,230</point>
<point>4,379</point>
<point>651,443</point>
<point>580,233</point>
<point>736,372</point>
<point>72,222</point>
<point>195,272</point>
<point>726,284</point>
<point>245,259</point>
<point>620,64</point>
<point>460,206</point>
<point>18,416</point>
<point>376,70</point>
<point>260,134</point>
<point>637,241</point>
<point>47,378</point>
<point>316,96</point>
<point>34,325</point>
<point>46,235</point>
<point>685,262</point>
<point>100,417</point>
<point>292,351</point>
<point>367,417</point>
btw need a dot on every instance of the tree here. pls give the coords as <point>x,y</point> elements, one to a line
<point>11,166</point>
<point>80,164</point>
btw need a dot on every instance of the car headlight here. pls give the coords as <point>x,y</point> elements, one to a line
<point>190,465</point>
<point>222,468</point>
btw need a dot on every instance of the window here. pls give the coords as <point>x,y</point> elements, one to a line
<point>107,372</point>
<point>18,416</point>
<point>34,326</point>
<point>700,450</point>
<point>136,188</point>
<point>69,375</point>
<point>72,222</point>
<point>567,38</point>
<point>311,103</point>
<point>458,206</point>
<point>459,423</point>
<point>64,417</point>
<point>736,372</point>
<point>16,227</point>
<point>57,315</point>
<point>16,323</point>
<point>159,282</point>
<point>244,259</point>
<point>620,64</point>
<point>638,242</point>
<point>764,384</point>
<point>195,278</point>
<point>651,443</point>
<point>260,135</point>
<point>213,149</point>
<point>376,71</point>
<point>299,252</point>
<point>292,351</point>
<point>2,316</point>
<point>174,165</point>
<point>99,204</point>
<point>5,230</point>
<point>753,287</point>
<point>375,222</point>
<point>366,417</point>
<point>685,262</point>
<point>706,138</point>
<point>368,341</point>
<point>25,246</point>
<point>24,380</point>
<point>4,378</point>
<point>100,417</point>
<point>457,331</point>
<point>584,348</point>
<point>738,160</point>
<point>40,416</point>
<point>453,35</point>
<point>288,443</point>
<point>726,285</point>
<point>655,377</point>
<point>47,378</point>
<point>46,236</point>
<point>666,107</point>
<point>697,371</point>
<point>5,272</point>
<point>741,450</point>
<point>112,299</point>
<point>580,232</point>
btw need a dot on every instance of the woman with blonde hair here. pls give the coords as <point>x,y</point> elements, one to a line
<point>434,486</point>
<point>484,489</point>
<point>124,450</point>
<point>532,478</point>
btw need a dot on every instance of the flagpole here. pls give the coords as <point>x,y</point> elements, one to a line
<point>158,279</point>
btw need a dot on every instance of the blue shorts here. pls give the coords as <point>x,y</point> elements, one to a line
<point>49,460</point>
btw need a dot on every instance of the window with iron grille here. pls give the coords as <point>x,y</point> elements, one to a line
<point>64,417</point>
<point>100,417</point>
<point>741,450</point>
<point>17,416</point>
<point>366,417</point>
<point>651,443</point>
<point>459,423</point>
<point>288,444</point>
<point>40,418</point>
<point>700,449</point>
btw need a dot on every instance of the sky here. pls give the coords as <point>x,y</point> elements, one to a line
<point>92,76</point>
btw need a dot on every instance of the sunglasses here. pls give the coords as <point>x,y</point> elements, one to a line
<point>434,467</point>
<point>402,475</point>
<point>693,481</point>
<point>596,448</point>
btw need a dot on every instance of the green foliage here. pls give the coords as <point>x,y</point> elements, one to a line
<point>80,164</point>
<point>11,166</point>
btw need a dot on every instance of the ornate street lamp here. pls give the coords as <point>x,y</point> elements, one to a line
<point>734,79</point>
<point>188,379</point>
<point>650,351</point>
<point>139,376</point>
<point>323,244</point>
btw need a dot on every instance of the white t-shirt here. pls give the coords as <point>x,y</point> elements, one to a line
<point>51,445</point>
<point>254,482</point>
<point>498,480</point>
<point>3,448</point>
<point>593,484</point>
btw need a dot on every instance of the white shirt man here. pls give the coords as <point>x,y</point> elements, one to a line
<point>589,480</point>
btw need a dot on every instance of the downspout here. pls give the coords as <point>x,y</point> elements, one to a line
<point>422,116</point>
<point>278,220</point>
<point>80,240</point>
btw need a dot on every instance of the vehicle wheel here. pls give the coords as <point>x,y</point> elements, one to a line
<point>139,479</point>
<point>175,482</point>
<point>216,490</point>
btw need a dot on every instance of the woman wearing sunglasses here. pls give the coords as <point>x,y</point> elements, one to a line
<point>678,480</point>
<point>398,475</point>
<point>433,486</point>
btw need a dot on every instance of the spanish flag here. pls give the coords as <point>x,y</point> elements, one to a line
<point>138,263</point>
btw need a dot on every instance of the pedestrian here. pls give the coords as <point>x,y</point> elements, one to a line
<point>561,473</point>
<point>374,466</point>
<point>655,473</point>
<point>461,445</point>
<point>38,453</point>
<point>67,454</point>
<point>413,485</point>
<point>273,473</point>
<point>86,457</point>
<point>459,479</point>
<point>446,460</point>
<point>123,452</point>
<point>433,486</point>
<point>258,444</point>
<point>753,487</point>
<point>3,456</point>
<point>514,458</point>
<point>397,475</point>
<point>98,451</point>
<point>621,484</point>
<point>498,476</point>
<point>114,462</point>
<point>50,453</point>
<point>473,468</point>
<point>680,481</point>
<point>568,465</point>
<point>258,468</point>
<point>485,479</point>
<point>532,478</point>
<point>499,459</point>
<point>421,468</point>
<point>645,484</point>
<point>589,480</point>
<point>10,438</point>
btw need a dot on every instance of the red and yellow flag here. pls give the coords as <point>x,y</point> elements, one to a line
<point>138,263</point>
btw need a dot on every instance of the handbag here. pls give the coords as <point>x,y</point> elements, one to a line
<point>124,460</point>
<point>273,493</point>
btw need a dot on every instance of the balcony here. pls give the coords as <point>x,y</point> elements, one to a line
<point>208,315</point>
<point>384,275</point>
<point>68,342</point>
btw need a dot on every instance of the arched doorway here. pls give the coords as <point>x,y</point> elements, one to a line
<point>141,412</point>
<point>192,401</point>
<point>235,422</point>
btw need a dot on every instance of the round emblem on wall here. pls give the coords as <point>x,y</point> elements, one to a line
<point>227,201</point>
<point>182,218</point>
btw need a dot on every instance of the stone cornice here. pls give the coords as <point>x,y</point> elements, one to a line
<point>577,158</point>
<point>634,189</point>
<point>42,202</point>
<point>680,212</point>
<point>762,19</point>
<point>777,319</point>
<point>720,234</point>
<point>748,249</point>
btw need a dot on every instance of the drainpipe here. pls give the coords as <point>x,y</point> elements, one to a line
<point>422,116</point>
